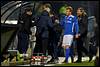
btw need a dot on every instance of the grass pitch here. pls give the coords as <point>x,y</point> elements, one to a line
<point>85,63</point>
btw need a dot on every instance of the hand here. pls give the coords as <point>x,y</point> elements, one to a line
<point>57,21</point>
<point>77,35</point>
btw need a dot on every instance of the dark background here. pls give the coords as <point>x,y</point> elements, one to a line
<point>91,7</point>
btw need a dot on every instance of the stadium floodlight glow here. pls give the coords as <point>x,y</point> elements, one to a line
<point>18,5</point>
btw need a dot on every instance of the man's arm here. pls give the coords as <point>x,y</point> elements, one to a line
<point>85,24</point>
<point>50,23</point>
<point>62,22</point>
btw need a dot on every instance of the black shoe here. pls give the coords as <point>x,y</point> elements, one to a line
<point>52,60</point>
<point>78,61</point>
<point>55,61</point>
<point>90,58</point>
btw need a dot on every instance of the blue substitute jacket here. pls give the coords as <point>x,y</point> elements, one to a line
<point>70,25</point>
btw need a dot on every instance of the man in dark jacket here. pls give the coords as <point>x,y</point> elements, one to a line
<point>83,29</point>
<point>43,26</point>
<point>54,38</point>
<point>25,21</point>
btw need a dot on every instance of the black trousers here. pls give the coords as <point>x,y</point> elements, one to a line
<point>81,48</point>
<point>23,41</point>
<point>38,46</point>
<point>53,45</point>
<point>41,45</point>
<point>53,49</point>
<point>44,45</point>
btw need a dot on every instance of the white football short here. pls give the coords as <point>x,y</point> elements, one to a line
<point>67,40</point>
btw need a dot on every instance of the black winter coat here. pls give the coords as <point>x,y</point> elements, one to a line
<point>44,25</point>
<point>83,25</point>
<point>26,23</point>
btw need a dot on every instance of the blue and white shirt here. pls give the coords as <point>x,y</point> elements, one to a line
<point>70,25</point>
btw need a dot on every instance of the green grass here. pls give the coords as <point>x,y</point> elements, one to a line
<point>77,64</point>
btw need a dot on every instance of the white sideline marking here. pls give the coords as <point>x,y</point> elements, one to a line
<point>61,59</point>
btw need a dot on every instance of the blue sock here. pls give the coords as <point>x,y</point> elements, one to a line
<point>67,54</point>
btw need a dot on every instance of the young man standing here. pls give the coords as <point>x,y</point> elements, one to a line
<point>83,30</point>
<point>43,26</point>
<point>70,26</point>
<point>25,20</point>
